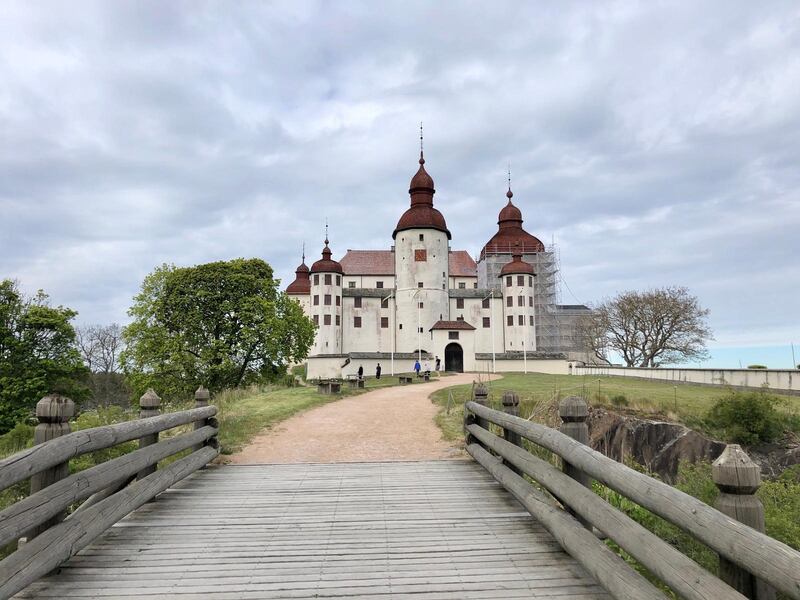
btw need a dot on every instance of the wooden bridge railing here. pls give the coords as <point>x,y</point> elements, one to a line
<point>748,558</point>
<point>109,491</point>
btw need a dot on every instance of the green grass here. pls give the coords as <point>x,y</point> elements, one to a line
<point>539,395</point>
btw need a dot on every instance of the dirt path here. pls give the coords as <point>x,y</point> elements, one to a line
<point>395,423</point>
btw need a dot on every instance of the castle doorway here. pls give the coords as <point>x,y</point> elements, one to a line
<point>453,358</point>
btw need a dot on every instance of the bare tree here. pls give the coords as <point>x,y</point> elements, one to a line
<point>648,329</point>
<point>101,346</point>
<point>592,337</point>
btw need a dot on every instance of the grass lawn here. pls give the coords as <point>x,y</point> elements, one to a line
<point>539,394</point>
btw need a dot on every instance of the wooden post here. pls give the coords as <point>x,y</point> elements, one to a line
<point>201,398</point>
<point>149,406</point>
<point>738,478</point>
<point>511,407</point>
<point>480,395</point>
<point>574,411</point>
<point>54,412</point>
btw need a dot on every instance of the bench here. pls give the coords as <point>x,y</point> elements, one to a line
<point>329,386</point>
<point>405,380</point>
<point>355,382</point>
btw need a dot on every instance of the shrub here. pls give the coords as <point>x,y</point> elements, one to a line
<point>19,438</point>
<point>619,400</point>
<point>748,417</point>
<point>756,366</point>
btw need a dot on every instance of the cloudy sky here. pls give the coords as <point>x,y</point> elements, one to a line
<point>655,143</point>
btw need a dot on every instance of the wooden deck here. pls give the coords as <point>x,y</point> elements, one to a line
<point>426,530</point>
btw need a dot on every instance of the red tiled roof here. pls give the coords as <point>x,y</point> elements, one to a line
<point>381,262</point>
<point>452,325</point>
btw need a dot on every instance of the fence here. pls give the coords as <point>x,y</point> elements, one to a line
<point>748,558</point>
<point>108,491</point>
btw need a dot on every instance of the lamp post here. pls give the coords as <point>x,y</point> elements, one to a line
<point>419,326</point>
<point>394,325</point>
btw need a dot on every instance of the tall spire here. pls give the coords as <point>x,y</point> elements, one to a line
<point>509,193</point>
<point>326,231</point>
<point>421,156</point>
<point>304,253</point>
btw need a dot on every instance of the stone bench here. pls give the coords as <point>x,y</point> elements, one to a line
<point>329,386</point>
<point>405,380</point>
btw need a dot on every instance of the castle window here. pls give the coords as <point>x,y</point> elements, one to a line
<point>420,284</point>
<point>509,281</point>
<point>401,326</point>
<point>475,285</point>
<point>486,303</point>
<point>379,284</point>
<point>421,305</point>
<point>316,320</point>
<point>510,320</point>
<point>357,302</point>
<point>459,303</point>
<point>338,280</point>
<point>509,300</point>
<point>384,322</point>
<point>421,237</point>
<point>316,279</point>
<point>531,320</point>
<point>328,279</point>
<point>462,285</point>
<point>316,299</point>
<point>530,281</point>
<point>521,320</point>
<point>351,284</point>
<point>338,320</point>
<point>356,322</point>
<point>338,300</point>
<point>520,280</point>
<point>530,300</point>
<point>520,300</point>
<point>384,302</point>
<point>420,330</point>
<point>326,319</point>
<point>327,300</point>
<point>452,335</point>
<point>420,255</point>
<point>487,322</point>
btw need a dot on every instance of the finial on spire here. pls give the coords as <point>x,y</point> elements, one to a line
<point>421,157</point>
<point>304,253</point>
<point>326,231</point>
<point>509,193</point>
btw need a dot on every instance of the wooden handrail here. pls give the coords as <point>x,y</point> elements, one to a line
<point>55,545</point>
<point>686,577</point>
<point>37,508</point>
<point>761,555</point>
<point>28,462</point>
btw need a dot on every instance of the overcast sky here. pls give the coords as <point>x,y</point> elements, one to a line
<point>655,143</point>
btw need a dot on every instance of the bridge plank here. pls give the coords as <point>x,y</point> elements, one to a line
<point>427,530</point>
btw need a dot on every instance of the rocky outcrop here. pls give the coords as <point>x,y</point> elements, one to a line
<point>659,446</point>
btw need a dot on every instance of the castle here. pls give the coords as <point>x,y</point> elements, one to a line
<point>420,300</point>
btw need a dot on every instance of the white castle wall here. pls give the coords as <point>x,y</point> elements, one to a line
<point>329,337</point>
<point>519,336</point>
<point>371,337</point>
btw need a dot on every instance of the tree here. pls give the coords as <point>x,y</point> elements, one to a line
<point>221,324</point>
<point>649,329</point>
<point>37,353</point>
<point>100,347</point>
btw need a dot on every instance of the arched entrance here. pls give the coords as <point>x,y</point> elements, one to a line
<point>453,358</point>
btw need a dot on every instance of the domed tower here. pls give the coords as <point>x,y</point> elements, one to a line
<point>517,281</point>
<point>421,258</point>
<point>326,303</point>
<point>300,288</point>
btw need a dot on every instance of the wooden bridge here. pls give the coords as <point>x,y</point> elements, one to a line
<point>150,528</point>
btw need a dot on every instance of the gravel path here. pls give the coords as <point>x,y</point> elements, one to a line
<point>395,423</point>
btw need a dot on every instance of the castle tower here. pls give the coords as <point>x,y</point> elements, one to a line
<point>517,281</point>
<point>421,265</point>
<point>326,303</point>
<point>300,288</point>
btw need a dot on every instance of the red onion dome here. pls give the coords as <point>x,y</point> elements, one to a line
<point>421,214</point>
<point>326,264</point>
<point>302,281</point>
<point>510,233</point>
<point>517,266</point>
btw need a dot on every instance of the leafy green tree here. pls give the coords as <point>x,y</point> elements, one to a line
<point>37,353</point>
<point>221,324</point>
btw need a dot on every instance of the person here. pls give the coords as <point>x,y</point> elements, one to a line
<point>360,371</point>
<point>426,369</point>
<point>378,371</point>
<point>438,364</point>
<point>417,367</point>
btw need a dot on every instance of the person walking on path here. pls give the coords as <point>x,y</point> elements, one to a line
<point>378,371</point>
<point>417,367</point>
<point>360,372</point>
<point>438,364</point>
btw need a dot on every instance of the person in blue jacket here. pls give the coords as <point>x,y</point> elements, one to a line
<point>417,367</point>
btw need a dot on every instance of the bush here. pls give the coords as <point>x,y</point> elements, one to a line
<point>619,400</point>
<point>749,418</point>
<point>756,366</point>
